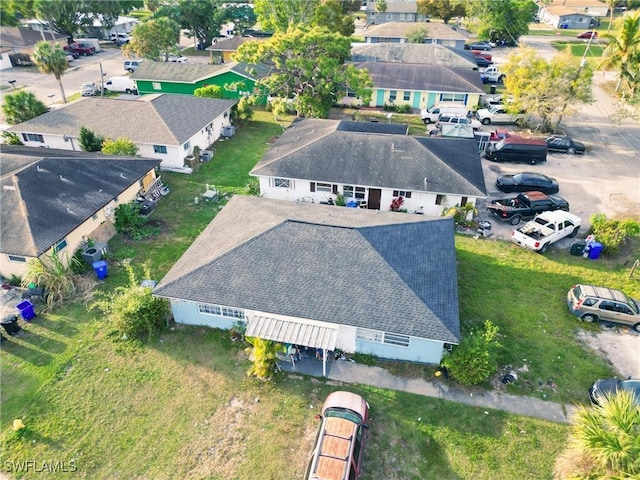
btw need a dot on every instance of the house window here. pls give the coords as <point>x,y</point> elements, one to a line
<point>14,258</point>
<point>156,85</point>
<point>401,193</point>
<point>227,312</point>
<point>159,149</point>
<point>32,137</point>
<point>351,94</point>
<point>452,97</point>
<point>440,199</point>
<point>323,187</point>
<point>464,201</point>
<point>396,339</point>
<point>406,96</point>
<point>60,246</point>
<point>281,182</point>
<point>349,191</point>
<point>186,146</point>
<point>393,94</point>
<point>368,335</point>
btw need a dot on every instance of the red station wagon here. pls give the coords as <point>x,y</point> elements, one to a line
<point>341,437</point>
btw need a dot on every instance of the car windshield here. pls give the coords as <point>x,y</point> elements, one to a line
<point>493,109</point>
<point>519,178</point>
<point>343,413</point>
<point>500,144</point>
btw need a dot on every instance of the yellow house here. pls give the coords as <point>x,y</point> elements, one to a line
<point>55,201</point>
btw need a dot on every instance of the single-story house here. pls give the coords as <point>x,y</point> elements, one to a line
<point>370,164</point>
<point>166,127</point>
<point>221,50</point>
<point>419,85</point>
<point>302,274</point>
<point>395,11</point>
<point>95,27</point>
<point>431,54</point>
<point>20,40</point>
<point>398,32</point>
<point>54,201</point>
<point>236,79</point>
<point>565,17</point>
<point>592,8</point>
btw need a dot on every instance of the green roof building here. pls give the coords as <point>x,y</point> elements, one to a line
<point>236,79</point>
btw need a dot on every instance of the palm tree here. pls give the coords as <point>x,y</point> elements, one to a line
<point>612,6</point>
<point>604,441</point>
<point>51,59</point>
<point>623,51</point>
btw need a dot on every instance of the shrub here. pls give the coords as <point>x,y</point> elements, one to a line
<point>396,204</point>
<point>613,233</point>
<point>54,275</point>
<point>264,357</point>
<point>475,359</point>
<point>89,141</point>
<point>404,108</point>
<point>132,310</point>
<point>459,214</point>
<point>129,222</point>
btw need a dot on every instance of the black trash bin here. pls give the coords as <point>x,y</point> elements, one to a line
<point>577,248</point>
<point>492,89</point>
<point>10,324</point>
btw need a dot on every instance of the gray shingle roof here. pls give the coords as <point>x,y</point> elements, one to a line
<point>317,262</point>
<point>231,44</point>
<point>438,31</point>
<point>432,54</point>
<point>154,119</point>
<point>193,73</point>
<point>56,192</point>
<point>24,37</point>
<point>423,77</point>
<point>317,150</point>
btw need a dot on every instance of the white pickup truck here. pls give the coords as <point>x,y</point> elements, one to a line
<point>492,75</point>
<point>545,229</point>
<point>433,114</point>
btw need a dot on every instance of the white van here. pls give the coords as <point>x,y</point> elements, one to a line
<point>121,84</point>
<point>94,42</point>
<point>432,115</point>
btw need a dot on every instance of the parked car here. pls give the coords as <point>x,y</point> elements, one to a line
<point>525,206</point>
<point>475,124</point>
<point>131,65</point>
<point>80,48</point>
<point>565,144</point>
<point>517,149</point>
<point>480,53</point>
<point>90,89</point>
<point>483,45</point>
<point>588,34</point>
<point>591,303</point>
<point>527,181</point>
<point>121,84</point>
<point>120,38</point>
<point>608,386</point>
<point>339,448</point>
<point>483,62</point>
<point>177,58</point>
<point>70,57</point>
<point>498,114</point>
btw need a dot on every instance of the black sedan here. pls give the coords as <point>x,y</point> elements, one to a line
<point>609,386</point>
<point>526,182</point>
<point>483,62</point>
<point>565,144</point>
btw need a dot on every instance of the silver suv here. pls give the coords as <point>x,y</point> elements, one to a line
<point>131,65</point>
<point>592,303</point>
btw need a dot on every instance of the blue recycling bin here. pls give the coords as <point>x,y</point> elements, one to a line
<point>595,249</point>
<point>100,269</point>
<point>26,310</point>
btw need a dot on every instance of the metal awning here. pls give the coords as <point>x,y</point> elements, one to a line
<point>289,331</point>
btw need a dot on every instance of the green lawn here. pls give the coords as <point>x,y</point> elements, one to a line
<point>183,407</point>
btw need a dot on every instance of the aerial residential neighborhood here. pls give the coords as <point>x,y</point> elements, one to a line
<point>320,240</point>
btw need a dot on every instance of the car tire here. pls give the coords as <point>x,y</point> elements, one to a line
<point>544,248</point>
<point>426,121</point>
<point>533,161</point>
<point>574,233</point>
<point>128,91</point>
<point>589,318</point>
<point>571,151</point>
<point>636,327</point>
<point>485,121</point>
<point>515,220</point>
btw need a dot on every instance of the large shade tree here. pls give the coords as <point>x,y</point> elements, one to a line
<point>623,52</point>
<point>51,59</point>
<point>201,18</point>
<point>502,20</point>
<point>21,106</point>
<point>153,39</point>
<point>444,9</point>
<point>64,16</point>
<point>545,88</point>
<point>278,15</point>
<point>308,68</point>
<point>604,441</point>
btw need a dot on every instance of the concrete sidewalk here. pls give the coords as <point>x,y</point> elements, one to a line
<point>348,372</point>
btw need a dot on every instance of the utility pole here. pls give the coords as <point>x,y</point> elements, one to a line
<point>101,81</point>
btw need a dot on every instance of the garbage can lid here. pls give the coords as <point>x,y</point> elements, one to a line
<point>99,264</point>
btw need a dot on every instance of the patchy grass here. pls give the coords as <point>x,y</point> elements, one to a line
<point>578,48</point>
<point>183,407</point>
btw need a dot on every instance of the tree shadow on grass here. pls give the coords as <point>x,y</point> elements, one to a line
<point>18,347</point>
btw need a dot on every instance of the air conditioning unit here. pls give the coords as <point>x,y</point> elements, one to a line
<point>206,155</point>
<point>228,131</point>
<point>94,253</point>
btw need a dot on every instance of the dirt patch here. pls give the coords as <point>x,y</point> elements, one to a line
<point>618,346</point>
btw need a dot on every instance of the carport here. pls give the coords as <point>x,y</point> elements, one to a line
<point>295,332</point>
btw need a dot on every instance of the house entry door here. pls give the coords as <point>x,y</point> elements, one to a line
<point>373,203</point>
